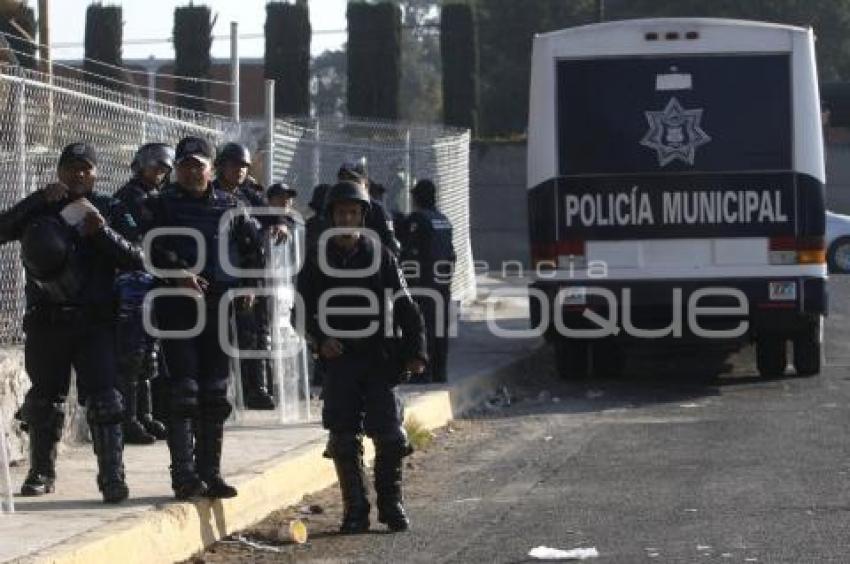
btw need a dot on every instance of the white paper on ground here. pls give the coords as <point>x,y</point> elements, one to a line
<point>546,553</point>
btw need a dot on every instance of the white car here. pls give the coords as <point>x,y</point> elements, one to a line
<point>838,242</point>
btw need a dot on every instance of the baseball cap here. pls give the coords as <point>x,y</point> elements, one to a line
<point>194,148</point>
<point>281,189</point>
<point>78,152</point>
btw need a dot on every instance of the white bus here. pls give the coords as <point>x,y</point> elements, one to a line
<point>676,190</point>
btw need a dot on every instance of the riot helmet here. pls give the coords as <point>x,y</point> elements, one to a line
<point>151,154</point>
<point>425,193</point>
<point>234,152</point>
<point>347,191</point>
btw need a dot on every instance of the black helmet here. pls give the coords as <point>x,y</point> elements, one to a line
<point>45,247</point>
<point>317,200</point>
<point>353,170</point>
<point>425,193</point>
<point>347,191</point>
<point>151,154</point>
<point>234,152</point>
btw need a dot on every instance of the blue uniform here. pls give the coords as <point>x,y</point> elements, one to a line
<point>427,244</point>
<point>138,352</point>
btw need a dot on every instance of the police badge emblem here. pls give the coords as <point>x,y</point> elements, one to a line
<point>674,133</point>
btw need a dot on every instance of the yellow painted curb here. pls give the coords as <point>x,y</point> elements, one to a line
<point>179,530</point>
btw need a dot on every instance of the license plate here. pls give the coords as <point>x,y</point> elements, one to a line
<point>574,296</point>
<point>782,291</point>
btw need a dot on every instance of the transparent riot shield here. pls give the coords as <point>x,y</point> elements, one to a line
<point>235,394</point>
<point>7,501</point>
<point>288,354</point>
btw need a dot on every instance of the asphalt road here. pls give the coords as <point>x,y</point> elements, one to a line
<point>671,463</point>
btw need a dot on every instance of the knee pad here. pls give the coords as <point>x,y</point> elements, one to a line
<point>343,445</point>
<point>130,366</point>
<point>42,414</point>
<point>184,398</point>
<point>213,401</point>
<point>395,445</point>
<point>105,408</point>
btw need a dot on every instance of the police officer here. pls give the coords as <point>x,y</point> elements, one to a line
<point>427,247</point>
<point>315,224</point>
<point>252,318</point>
<point>362,364</point>
<point>282,196</point>
<point>138,352</point>
<point>70,255</point>
<point>377,218</point>
<point>198,366</point>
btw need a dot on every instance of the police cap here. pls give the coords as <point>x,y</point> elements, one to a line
<point>194,148</point>
<point>78,152</point>
<point>281,189</point>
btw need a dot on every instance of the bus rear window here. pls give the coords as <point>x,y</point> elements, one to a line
<point>718,113</point>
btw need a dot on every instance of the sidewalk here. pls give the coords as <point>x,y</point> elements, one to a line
<point>273,466</point>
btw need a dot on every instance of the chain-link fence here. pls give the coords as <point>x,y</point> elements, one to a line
<point>43,114</point>
<point>310,151</point>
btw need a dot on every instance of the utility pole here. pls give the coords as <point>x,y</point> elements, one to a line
<point>44,36</point>
<point>600,10</point>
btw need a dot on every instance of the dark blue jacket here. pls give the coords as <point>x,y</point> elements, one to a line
<point>174,207</point>
<point>98,255</point>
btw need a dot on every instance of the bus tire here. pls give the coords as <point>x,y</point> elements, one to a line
<point>837,256</point>
<point>771,356</point>
<point>807,349</point>
<point>571,358</point>
<point>608,361</point>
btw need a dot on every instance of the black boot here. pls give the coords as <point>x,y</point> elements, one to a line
<point>134,432</point>
<point>109,446</point>
<point>181,444</point>
<point>208,453</point>
<point>389,455</point>
<point>151,425</point>
<point>43,421</point>
<point>347,454</point>
<point>41,478</point>
<point>256,395</point>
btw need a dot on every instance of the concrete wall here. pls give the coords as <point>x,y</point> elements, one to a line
<point>838,177</point>
<point>497,203</point>
<point>13,386</point>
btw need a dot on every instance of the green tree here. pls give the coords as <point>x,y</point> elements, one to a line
<point>420,88</point>
<point>14,17</point>
<point>192,42</point>
<point>374,59</point>
<point>458,46</point>
<point>830,20</point>
<point>287,59</point>
<point>506,30</point>
<point>104,31</point>
<point>327,81</point>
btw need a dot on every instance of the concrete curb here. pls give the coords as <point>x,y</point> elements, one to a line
<point>176,531</point>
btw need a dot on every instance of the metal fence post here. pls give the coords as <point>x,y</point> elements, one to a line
<point>268,162</point>
<point>234,71</point>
